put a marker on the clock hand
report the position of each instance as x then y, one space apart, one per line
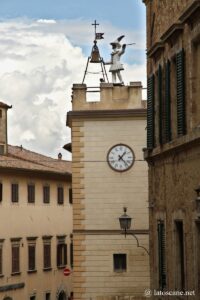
121 156
125 162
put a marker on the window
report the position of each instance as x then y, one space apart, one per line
119 262
150 112
1 260
71 254
167 118
31 254
195 84
14 192
179 256
46 193
31 193
70 196
48 296
61 253
161 255
0 113
180 82
1 149
47 253
1 191
15 248
60 194
32 297
197 247
1 257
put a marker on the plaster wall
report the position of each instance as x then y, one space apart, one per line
22 220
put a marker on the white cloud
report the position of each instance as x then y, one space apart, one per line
45 21
40 60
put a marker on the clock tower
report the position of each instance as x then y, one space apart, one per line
109 173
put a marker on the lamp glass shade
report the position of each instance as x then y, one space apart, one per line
125 222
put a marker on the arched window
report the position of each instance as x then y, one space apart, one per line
62 296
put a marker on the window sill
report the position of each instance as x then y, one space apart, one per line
61 267
47 269
15 273
119 271
32 271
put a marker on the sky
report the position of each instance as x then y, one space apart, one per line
44 47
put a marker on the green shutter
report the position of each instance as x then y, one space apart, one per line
160 101
180 78
167 118
150 112
161 255
71 255
65 254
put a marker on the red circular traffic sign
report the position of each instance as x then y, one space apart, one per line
67 272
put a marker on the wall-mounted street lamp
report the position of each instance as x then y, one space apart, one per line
125 225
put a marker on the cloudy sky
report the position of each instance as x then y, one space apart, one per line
44 47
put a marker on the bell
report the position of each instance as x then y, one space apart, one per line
95 55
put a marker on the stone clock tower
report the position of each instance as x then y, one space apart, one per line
108 173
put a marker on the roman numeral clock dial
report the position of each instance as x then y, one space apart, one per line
120 157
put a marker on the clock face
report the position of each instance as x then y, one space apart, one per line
120 157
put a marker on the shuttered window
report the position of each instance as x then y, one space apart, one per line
1 259
180 259
60 195
160 102
14 192
61 255
31 193
150 112
180 81
47 254
71 254
15 258
46 194
1 149
161 255
1 191
167 118
31 257
70 196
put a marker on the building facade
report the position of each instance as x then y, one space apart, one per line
173 144
36 222
108 173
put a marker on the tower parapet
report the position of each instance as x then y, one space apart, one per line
111 97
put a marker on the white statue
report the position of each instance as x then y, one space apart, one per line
116 66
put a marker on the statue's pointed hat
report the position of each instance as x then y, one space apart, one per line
117 41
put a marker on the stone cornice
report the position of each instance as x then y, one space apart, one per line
38 173
102 114
109 232
172 32
188 13
180 144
